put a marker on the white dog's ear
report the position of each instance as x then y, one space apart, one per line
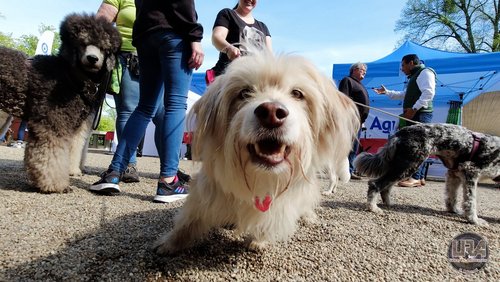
341 122
207 111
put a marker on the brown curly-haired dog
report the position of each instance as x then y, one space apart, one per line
58 95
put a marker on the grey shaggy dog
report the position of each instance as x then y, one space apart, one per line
469 156
58 96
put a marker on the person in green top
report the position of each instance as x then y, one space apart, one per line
122 13
417 101
168 37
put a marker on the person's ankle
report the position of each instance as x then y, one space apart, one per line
168 180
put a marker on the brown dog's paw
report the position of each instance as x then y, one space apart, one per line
76 173
56 190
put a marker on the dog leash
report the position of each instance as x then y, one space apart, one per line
101 92
385 112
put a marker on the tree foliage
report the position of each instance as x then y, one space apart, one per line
470 26
106 123
28 43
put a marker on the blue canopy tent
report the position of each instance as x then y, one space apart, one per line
460 77
198 84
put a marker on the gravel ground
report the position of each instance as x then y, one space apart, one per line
80 236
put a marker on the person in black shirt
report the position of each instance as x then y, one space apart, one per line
235 26
167 36
351 86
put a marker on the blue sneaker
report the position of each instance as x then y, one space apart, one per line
168 193
108 183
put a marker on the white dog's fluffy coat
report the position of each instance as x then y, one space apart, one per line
264 130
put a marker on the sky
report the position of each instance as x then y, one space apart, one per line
326 32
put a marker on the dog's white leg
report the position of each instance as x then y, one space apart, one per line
79 146
188 228
470 206
372 198
46 160
310 217
338 174
255 245
332 187
192 223
453 182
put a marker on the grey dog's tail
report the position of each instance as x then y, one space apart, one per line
374 165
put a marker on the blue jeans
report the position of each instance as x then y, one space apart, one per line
423 118
22 128
127 101
354 152
163 58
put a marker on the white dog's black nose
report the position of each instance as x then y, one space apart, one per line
271 114
92 59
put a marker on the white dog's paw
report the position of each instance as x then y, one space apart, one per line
374 208
310 218
327 193
256 246
163 247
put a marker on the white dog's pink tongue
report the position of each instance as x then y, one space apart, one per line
264 205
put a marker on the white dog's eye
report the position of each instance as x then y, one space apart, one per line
296 93
245 93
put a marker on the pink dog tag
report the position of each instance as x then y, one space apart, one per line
264 206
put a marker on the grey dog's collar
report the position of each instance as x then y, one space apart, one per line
475 144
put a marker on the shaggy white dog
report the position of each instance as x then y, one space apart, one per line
264 130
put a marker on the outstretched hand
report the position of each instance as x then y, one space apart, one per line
381 90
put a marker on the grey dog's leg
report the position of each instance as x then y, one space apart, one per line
371 204
385 194
453 182
384 185
470 198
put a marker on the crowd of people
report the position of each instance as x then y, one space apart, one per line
417 103
161 46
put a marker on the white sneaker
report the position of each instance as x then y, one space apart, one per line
17 144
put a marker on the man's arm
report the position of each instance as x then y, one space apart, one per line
392 94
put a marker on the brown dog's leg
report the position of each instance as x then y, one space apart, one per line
47 162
